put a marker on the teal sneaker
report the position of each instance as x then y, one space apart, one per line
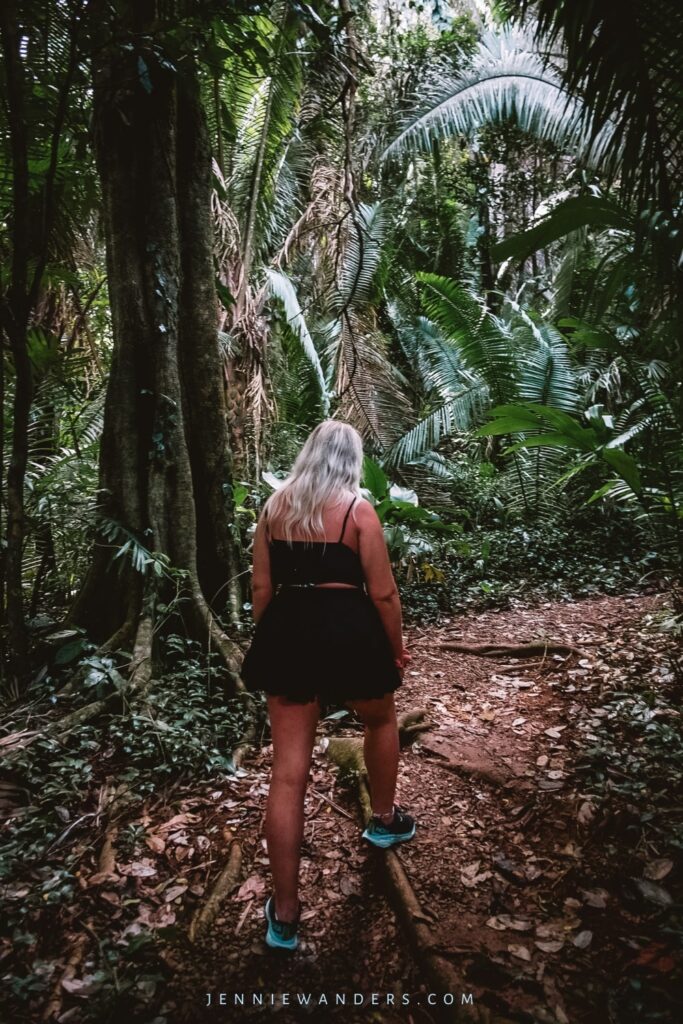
399 830
280 934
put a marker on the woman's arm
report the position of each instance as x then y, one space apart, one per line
261 584
379 578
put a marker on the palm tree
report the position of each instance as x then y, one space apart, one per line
506 79
623 61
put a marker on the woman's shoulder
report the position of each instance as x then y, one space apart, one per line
364 512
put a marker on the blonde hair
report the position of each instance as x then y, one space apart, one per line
327 471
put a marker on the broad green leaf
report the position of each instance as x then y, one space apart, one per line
506 426
567 216
374 479
542 441
625 465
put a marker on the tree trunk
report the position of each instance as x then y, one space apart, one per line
15 316
164 465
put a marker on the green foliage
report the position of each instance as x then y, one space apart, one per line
508 565
597 212
507 79
282 288
623 62
185 726
657 487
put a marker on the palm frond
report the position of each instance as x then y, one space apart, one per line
624 62
481 340
507 79
280 286
361 254
546 373
258 154
458 414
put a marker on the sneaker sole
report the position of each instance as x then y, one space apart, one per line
275 943
386 841
272 938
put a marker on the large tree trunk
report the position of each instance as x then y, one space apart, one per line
164 466
15 312
202 367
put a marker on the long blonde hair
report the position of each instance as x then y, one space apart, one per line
326 472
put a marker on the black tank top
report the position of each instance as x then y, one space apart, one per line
305 563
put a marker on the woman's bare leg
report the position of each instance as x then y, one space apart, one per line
380 750
293 730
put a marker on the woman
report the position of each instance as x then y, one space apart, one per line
321 638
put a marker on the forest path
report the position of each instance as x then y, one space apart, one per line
513 862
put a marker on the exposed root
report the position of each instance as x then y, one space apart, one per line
411 725
119 640
139 681
347 751
512 650
122 638
106 863
244 745
61 727
226 881
476 772
216 639
54 1004
141 663
439 971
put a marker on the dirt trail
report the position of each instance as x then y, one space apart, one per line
512 862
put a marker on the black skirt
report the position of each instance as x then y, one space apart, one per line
321 642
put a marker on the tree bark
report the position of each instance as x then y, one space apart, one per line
201 366
15 314
164 464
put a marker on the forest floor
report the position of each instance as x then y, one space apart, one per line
545 878
546 861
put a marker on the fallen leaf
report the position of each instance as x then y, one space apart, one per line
503 921
179 839
349 885
111 897
469 882
658 869
471 869
508 869
155 843
174 891
652 892
253 886
595 897
85 986
496 924
586 812
583 939
100 877
139 869
521 952
550 945
176 821
555 732
156 917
